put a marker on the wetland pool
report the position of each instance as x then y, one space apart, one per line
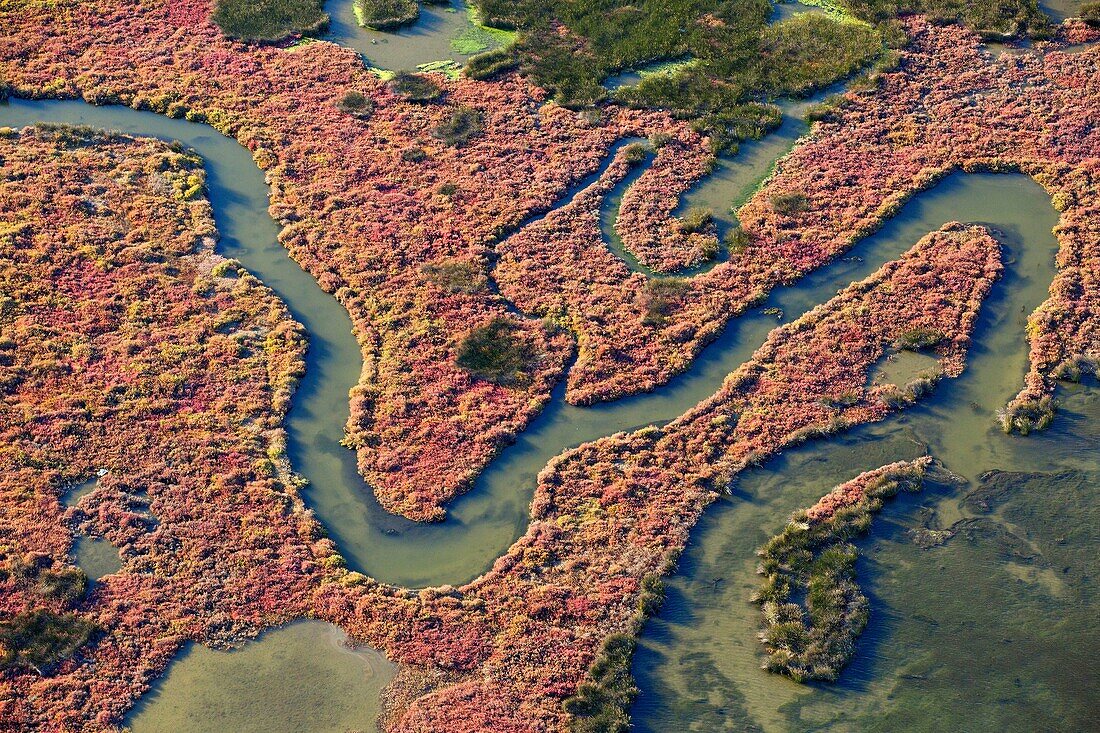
698 664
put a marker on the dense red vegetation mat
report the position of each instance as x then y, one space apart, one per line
373 198
132 354
133 349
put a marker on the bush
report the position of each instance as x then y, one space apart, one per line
916 339
413 155
269 21
485 65
662 296
356 103
634 153
789 204
415 87
1090 13
463 124
495 352
602 704
696 219
457 276
737 240
40 639
386 15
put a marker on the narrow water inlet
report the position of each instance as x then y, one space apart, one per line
484 522
495 512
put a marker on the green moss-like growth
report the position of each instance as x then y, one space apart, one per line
463 124
496 61
268 21
415 87
457 276
726 55
1090 13
356 103
696 219
813 560
662 297
496 352
64 586
386 15
916 339
789 203
40 639
804 49
989 17
602 704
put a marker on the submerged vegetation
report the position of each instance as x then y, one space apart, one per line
812 607
270 20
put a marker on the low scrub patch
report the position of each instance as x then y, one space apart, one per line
40 639
268 21
463 124
385 15
496 352
415 87
812 607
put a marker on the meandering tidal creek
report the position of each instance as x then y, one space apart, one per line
986 628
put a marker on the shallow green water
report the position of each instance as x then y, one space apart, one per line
988 632
482 524
301 677
441 33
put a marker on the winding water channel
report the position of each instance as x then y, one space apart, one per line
706 633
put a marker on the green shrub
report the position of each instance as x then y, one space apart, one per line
808 51
496 352
789 204
602 704
916 339
269 20
415 87
634 153
999 17
696 219
1090 13
662 297
463 124
457 276
737 240
40 639
496 61
736 57
413 155
386 15
356 103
